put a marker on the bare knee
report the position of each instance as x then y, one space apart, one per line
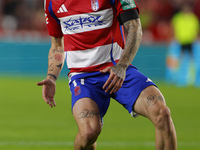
162 119
89 136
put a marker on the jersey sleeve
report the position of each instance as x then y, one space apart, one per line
53 24
126 10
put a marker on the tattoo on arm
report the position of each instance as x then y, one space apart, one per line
55 58
58 57
131 38
132 42
85 113
56 39
56 50
119 71
59 66
50 57
51 68
153 99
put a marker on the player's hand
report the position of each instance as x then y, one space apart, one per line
48 91
116 78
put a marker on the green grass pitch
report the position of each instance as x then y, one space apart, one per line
28 123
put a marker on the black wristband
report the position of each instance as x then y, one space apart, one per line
52 76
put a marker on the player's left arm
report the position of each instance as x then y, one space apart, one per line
133 41
118 72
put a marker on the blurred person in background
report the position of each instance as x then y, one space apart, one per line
184 49
9 21
22 20
155 18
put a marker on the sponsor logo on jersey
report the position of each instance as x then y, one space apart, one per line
81 22
95 5
128 4
86 22
62 9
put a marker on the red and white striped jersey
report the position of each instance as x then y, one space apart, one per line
93 36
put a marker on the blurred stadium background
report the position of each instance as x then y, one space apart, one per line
26 123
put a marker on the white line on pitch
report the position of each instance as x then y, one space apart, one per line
106 143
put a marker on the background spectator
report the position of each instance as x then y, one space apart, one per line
22 19
184 49
22 16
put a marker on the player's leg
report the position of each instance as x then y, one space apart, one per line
87 116
151 104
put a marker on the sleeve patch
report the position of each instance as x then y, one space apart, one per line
128 4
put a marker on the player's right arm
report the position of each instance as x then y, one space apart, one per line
56 58
55 63
56 55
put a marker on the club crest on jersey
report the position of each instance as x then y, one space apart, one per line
95 5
